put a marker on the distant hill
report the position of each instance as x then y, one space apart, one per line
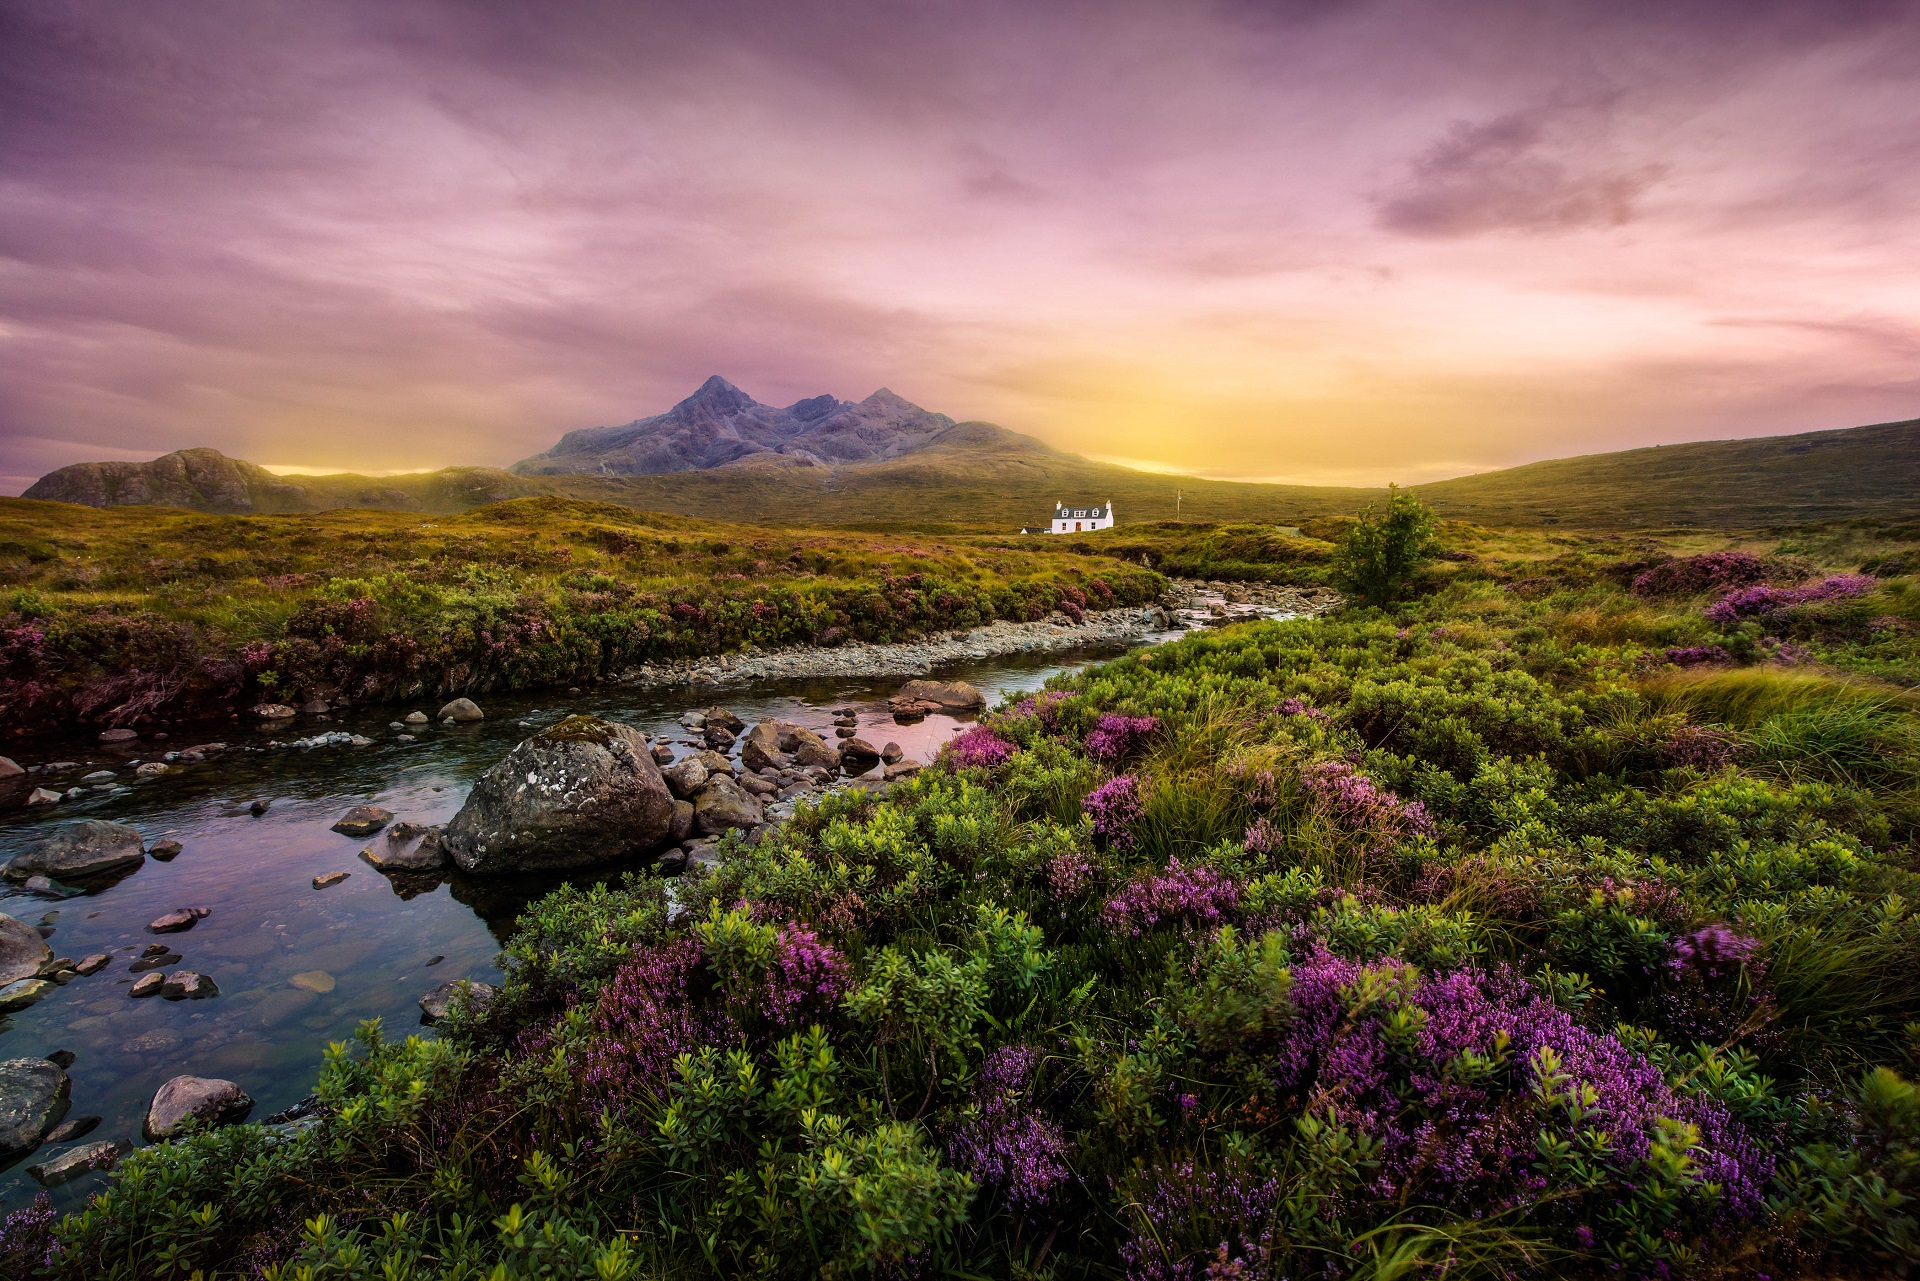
721 425
976 476
206 480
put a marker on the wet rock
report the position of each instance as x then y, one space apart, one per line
33 1099
462 710
408 847
723 718
405 738
662 755
185 985
74 1127
363 820
20 994
165 849
274 712
760 749
93 964
680 827
205 1099
315 707
810 749
902 769
715 762
703 854
857 756
157 949
89 847
118 735
845 731
22 950
314 981
759 786
722 804
694 720
947 696
330 879
414 718
718 737
9 768
74 1162
151 769
581 792
98 776
62 1059
686 778
673 862
148 984
41 796
469 994
259 808
891 753
181 918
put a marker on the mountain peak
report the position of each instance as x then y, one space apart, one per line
718 395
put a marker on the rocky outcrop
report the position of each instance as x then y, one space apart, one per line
581 792
720 425
206 1099
33 1099
75 851
22 950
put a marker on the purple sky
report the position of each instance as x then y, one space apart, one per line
1310 240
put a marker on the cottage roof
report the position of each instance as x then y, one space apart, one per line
1063 512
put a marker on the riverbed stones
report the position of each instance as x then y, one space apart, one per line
414 718
760 749
314 981
662 754
685 778
186 985
407 847
581 792
165 850
74 1127
810 749
148 984
891 753
718 737
724 719
33 1099
329 879
857 756
315 707
150 769
759 786
462 711
42 796
181 918
22 950
119 735
715 762
468 994
206 1099
274 712
946 696
74 1162
363 820
88 847
9 768
724 804
93 963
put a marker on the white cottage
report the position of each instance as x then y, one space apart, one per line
1078 520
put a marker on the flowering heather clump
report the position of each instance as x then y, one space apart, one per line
1300 707
807 981
1263 838
1713 571
978 748
1358 804
1117 736
1190 895
1044 707
646 1016
1069 874
27 1243
1697 655
1760 601
1700 747
1713 951
1114 807
1201 1225
1005 1143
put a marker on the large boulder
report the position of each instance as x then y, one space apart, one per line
75 851
206 1099
33 1099
581 792
22 950
722 804
948 696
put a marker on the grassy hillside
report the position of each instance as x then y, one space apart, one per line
133 613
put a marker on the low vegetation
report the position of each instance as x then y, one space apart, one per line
1553 922
128 615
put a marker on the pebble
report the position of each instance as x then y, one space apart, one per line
41 796
165 850
331 878
181 918
93 964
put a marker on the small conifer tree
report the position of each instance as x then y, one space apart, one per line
1379 557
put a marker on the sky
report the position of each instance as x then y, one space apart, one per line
1316 241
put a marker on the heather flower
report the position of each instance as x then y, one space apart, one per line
807 980
1192 896
1357 804
977 748
1697 655
1300 707
1199 1224
646 1015
1004 1142
1044 707
1116 736
1713 951
1115 806
1761 601
1263 838
1700 747
1069 873
27 1240
1712 571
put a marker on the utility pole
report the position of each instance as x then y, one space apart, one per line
1178 495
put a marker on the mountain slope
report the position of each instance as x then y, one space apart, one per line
720 424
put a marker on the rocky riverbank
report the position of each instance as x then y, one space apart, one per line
1187 604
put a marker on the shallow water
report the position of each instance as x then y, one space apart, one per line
368 943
